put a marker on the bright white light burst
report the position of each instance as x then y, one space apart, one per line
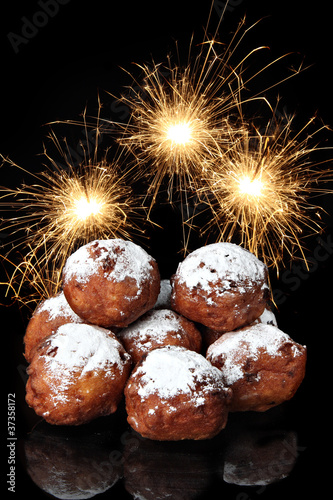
179 133
260 191
250 187
85 208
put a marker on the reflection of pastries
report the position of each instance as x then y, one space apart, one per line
68 467
111 282
221 286
78 373
48 316
260 457
263 366
161 471
158 328
175 394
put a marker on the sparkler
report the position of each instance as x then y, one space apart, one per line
259 193
182 117
65 207
172 131
187 133
29 281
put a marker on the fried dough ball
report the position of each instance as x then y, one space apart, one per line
209 336
262 365
46 319
77 374
157 328
175 394
111 282
221 286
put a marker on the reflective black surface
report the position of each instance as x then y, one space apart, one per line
254 452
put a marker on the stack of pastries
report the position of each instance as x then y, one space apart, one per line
182 352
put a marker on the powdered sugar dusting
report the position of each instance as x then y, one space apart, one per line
225 262
116 257
248 344
170 371
163 299
58 306
80 348
268 317
153 326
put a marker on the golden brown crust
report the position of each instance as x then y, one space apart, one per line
105 297
260 376
188 422
169 412
46 319
76 393
228 312
107 304
158 328
209 335
222 299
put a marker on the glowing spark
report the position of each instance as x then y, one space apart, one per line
259 193
29 281
64 207
179 133
173 129
183 116
85 208
250 187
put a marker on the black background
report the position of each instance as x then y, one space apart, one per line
76 55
